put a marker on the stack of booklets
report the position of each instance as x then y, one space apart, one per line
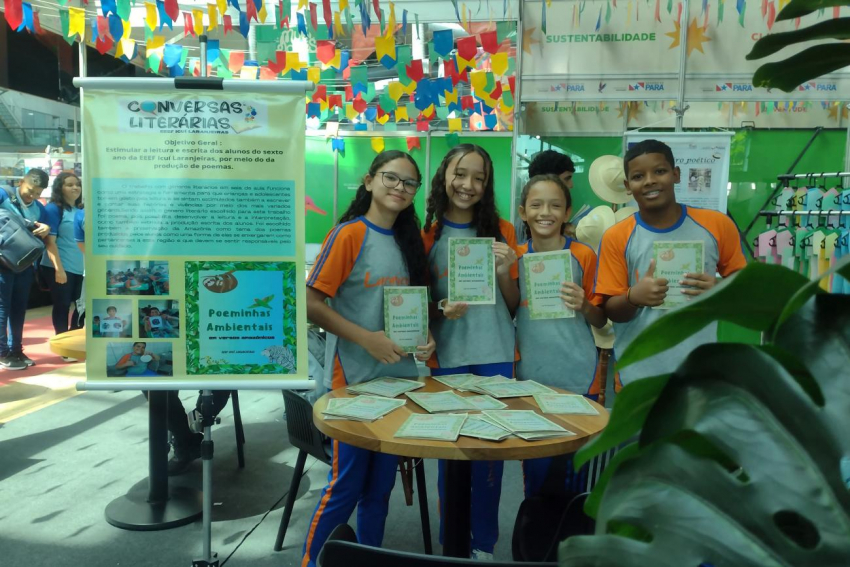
484 402
444 427
477 426
501 387
564 404
441 402
361 408
386 387
525 424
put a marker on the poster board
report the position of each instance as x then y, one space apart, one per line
702 157
195 236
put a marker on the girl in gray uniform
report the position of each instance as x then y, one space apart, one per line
476 339
376 243
556 352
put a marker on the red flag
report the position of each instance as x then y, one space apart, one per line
36 23
414 70
497 91
14 13
251 12
314 18
377 11
188 26
104 43
284 18
359 104
328 13
228 23
349 93
449 70
467 102
321 93
512 83
466 47
413 142
103 28
490 42
421 126
278 63
172 9
334 101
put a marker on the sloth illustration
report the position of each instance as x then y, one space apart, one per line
221 283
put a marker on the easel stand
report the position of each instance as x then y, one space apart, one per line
160 507
209 559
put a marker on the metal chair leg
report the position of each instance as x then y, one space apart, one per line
290 499
423 506
240 432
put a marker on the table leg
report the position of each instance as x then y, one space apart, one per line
456 537
158 507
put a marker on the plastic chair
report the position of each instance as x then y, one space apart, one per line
310 441
342 550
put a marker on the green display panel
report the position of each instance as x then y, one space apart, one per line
583 151
319 189
500 152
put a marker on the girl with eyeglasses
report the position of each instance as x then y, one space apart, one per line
377 243
477 339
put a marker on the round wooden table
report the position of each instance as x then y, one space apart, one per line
378 436
71 344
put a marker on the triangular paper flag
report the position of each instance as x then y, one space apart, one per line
212 12
413 142
378 144
490 42
499 63
150 15
455 124
198 17
77 22
14 12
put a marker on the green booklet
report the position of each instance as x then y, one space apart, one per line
673 260
406 316
564 403
444 427
545 272
472 271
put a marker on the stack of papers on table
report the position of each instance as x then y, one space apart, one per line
504 388
477 426
455 381
485 402
526 424
564 404
439 402
361 408
386 387
436 427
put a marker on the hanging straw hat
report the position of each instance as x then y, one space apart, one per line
624 213
593 225
606 179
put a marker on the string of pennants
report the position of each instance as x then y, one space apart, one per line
481 64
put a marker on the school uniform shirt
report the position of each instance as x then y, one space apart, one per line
32 212
140 367
485 334
559 352
62 227
80 225
626 251
357 260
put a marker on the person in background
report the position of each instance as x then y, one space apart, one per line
62 263
544 163
80 233
15 288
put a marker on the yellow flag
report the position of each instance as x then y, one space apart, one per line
410 88
455 124
323 105
314 74
504 107
336 61
343 4
222 6
198 21
378 144
262 13
390 23
301 4
451 96
150 16
463 64
429 112
249 72
385 46
212 12
383 119
157 42
478 80
338 29
127 28
350 112
401 114
395 90
293 61
499 63
463 21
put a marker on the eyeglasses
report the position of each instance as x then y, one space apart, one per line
392 181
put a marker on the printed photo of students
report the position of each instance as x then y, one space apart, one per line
626 274
376 243
556 352
115 319
62 262
160 320
137 278
477 339
139 359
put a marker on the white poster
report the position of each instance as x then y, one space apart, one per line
703 158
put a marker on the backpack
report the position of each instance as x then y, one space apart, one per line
19 247
548 518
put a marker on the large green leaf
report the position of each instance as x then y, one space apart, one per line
799 8
809 64
591 505
631 406
803 294
732 300
771 43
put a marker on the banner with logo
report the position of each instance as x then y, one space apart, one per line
703 158
194 236
604 50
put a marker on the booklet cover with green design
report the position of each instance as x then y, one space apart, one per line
406 316
544 273
674 259
472 271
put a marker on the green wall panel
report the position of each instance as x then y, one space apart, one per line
319 177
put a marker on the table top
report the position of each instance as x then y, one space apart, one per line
378 435
72 344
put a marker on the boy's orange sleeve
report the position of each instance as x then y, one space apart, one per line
612 272
730 251
124 359
507 230
336 259
587 260
428 238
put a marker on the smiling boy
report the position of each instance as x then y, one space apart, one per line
626 274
